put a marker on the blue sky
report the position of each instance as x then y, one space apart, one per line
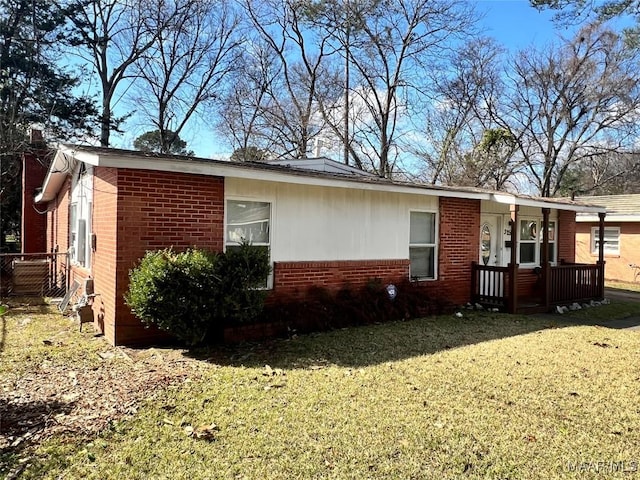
516 24
513 23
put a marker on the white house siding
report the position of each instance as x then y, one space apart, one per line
314 223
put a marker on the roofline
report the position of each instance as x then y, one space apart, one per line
611 217
62 165
67 155
510 199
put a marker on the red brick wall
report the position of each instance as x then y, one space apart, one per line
617 267
459 247
57 231
58 220
529 285
566 236
294 278
155 210
57 235
103 257
135 211
34 224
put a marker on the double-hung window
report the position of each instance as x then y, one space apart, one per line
422 245
611 240
530 241
249 222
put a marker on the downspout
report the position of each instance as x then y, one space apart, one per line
601 216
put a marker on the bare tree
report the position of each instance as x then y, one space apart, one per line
461 143
187 62
289 71
571 103
609 174
589 10
241 116
390 47
112 35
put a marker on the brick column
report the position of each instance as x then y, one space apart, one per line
34 224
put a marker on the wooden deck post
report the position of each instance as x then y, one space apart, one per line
544 260
512 305
601 216
601 237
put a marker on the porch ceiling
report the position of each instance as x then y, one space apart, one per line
557 203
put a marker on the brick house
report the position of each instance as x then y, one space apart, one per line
621 236
324 224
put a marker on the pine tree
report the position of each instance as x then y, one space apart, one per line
33 90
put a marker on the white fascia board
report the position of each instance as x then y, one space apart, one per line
86 157
540 203
60 167
218 168
610 218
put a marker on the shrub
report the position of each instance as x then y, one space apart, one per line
323 309
194 294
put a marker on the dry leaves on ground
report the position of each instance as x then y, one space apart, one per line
58 398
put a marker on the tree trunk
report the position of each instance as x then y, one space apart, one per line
105 123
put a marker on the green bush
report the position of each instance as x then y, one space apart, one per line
194 294
324 309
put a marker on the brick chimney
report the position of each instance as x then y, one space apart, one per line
34 169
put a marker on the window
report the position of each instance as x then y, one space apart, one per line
422 245
530 241
528 236
80 214
611 240
250 222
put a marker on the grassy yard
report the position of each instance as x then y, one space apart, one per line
483 396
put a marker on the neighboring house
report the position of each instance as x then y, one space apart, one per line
621 236
324 226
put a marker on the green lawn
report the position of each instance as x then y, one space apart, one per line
483 396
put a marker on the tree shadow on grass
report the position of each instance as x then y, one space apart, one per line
22 425
375 344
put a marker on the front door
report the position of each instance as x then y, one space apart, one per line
491 282
490 238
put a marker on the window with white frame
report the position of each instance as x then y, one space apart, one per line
611 240
250 222
80 216
422 245
530 241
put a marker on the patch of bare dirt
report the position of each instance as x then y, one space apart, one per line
55 399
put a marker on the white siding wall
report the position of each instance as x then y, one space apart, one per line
322 223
